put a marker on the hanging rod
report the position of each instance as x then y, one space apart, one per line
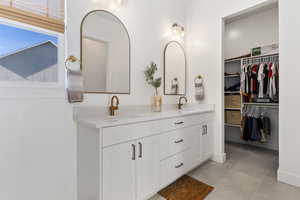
261 59
269 105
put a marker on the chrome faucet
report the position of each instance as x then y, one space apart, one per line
181 104
113 107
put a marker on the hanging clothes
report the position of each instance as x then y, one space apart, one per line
266 80
259 81
243 79
255 128
254 83
272 81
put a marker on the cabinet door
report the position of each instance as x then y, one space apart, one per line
147 167
207 140
119 166
196 145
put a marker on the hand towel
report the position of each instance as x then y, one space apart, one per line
74 86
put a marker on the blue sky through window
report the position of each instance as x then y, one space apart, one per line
13 39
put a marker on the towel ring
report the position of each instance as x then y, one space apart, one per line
71 59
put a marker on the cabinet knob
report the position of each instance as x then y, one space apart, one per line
178 123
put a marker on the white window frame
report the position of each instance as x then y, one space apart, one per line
60 84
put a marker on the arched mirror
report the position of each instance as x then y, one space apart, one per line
105 54
174 69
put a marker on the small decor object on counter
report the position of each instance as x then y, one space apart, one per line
74 81
156 100
199 88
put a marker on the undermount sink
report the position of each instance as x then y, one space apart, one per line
146 114
186 110
150 114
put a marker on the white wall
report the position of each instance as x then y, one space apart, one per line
204 48
37 149
259 29
289 138
148 24
37 133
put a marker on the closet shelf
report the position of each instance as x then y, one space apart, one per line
231 76
232 92
261 59
233 60
263 104
233 109
260 56
233 125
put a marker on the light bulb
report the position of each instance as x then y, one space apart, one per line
115 5
178 30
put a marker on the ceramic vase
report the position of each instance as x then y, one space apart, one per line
156 103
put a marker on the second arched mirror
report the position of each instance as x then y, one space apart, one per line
174 69
105 54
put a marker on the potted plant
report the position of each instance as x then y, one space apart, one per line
156 100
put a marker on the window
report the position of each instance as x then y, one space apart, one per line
28 55
48 14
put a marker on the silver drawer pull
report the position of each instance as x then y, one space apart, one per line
179 141
141 150
178 123
178 166
204 130
133 151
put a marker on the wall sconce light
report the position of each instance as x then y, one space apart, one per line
178 30
115 5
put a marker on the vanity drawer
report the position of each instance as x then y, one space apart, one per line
178 140
124 133
190 120
174 167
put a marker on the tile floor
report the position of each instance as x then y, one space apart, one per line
248 174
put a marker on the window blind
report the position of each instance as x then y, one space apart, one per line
48 14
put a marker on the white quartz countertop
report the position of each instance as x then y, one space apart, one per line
103 121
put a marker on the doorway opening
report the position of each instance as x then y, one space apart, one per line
251 89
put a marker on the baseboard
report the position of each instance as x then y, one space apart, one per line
289 178
220 158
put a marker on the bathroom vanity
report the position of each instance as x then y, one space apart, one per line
132 157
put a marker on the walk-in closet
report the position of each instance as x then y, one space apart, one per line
251 79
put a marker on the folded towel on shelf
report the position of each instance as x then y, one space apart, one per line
234 87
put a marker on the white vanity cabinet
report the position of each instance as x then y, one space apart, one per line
119 169
131 170
147 171
133 161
